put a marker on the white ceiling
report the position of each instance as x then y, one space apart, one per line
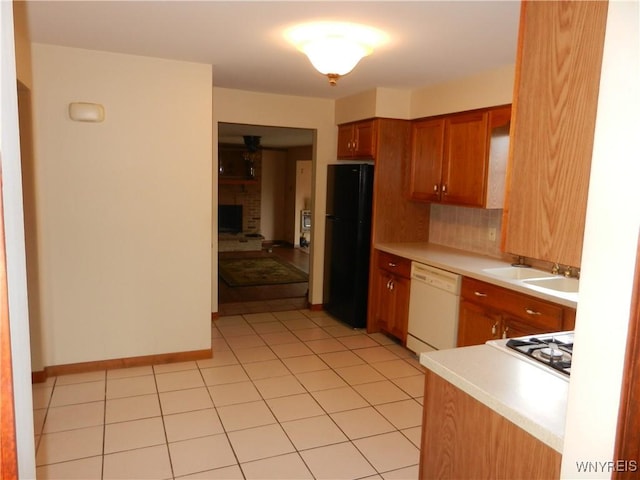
431 41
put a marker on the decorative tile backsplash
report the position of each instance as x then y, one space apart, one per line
466 228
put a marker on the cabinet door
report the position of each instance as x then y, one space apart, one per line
391 304
556 94
382 301
345 140
476 325
464 439
364 139
464 176
514 327
427 143
398 322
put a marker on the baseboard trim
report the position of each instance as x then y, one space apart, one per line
315 307
215 316
142 361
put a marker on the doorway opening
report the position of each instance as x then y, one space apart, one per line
264 222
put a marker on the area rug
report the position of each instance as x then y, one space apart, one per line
246 272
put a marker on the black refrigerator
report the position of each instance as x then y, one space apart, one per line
348 242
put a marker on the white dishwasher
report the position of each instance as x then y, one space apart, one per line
433 309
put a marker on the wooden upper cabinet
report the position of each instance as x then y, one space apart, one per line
357 140
465 159
460 159
556 94
427 153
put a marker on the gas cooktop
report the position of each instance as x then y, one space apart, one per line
551 350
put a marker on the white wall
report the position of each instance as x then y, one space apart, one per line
610 242
14 246
237 106
124 209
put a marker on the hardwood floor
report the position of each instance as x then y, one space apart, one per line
265 298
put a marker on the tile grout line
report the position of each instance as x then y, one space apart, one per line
104 426
164 426
308 392
280 359
224 430
328 414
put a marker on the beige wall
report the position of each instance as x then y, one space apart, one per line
124 211
379 102
485 89
237 106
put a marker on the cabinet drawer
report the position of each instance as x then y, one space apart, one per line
536 312
481 293
394 264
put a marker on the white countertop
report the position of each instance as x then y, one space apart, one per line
525 394
472 265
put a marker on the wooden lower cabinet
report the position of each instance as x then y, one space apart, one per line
464 439
476 324
389 295
489 312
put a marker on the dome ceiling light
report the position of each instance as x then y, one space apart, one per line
335 48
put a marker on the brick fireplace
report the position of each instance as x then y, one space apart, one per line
235 187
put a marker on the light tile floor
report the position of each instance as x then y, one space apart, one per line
287 395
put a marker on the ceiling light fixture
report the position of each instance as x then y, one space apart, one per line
334 49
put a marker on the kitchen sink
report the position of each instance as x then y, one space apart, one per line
517 273
560 284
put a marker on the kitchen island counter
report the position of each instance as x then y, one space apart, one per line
527 395
472 265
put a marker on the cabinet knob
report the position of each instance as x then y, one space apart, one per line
391 285
391 264
504 332
531 312
435 188
444 189
388 284
480 294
